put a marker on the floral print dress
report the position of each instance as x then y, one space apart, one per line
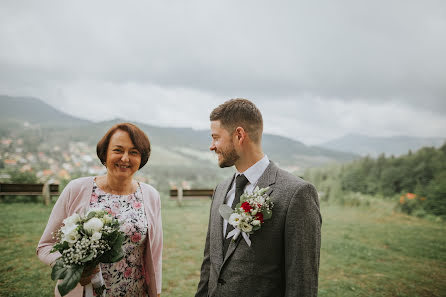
126 277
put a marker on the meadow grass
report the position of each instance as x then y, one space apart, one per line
365 251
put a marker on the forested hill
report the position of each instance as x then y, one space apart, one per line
413 172
422 173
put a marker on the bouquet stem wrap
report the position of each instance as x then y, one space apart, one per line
97 282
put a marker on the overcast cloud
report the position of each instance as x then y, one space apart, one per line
316 69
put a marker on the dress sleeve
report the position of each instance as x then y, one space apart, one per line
58 214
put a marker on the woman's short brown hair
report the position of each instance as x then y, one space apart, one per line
138 137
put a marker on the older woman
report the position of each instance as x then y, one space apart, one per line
124 149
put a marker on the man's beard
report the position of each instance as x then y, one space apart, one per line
228 158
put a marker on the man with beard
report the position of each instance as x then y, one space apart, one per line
282 257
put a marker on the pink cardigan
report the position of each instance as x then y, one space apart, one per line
75 198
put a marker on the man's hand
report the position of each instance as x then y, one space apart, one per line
87 275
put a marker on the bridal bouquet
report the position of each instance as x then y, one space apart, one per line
248 216
85 241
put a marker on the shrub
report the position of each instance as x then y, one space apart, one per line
410 203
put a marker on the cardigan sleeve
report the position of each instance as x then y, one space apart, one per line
58 214
156 243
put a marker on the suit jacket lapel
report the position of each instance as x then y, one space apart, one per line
267 179
217 235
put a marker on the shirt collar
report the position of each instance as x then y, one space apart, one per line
254 172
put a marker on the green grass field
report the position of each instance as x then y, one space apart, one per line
365 251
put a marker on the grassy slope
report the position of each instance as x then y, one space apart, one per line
365 252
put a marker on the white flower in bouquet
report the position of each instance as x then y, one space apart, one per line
256 222
107 219
246 227
72 220
94 209
96 236
93 225
234 219
68 228
70 233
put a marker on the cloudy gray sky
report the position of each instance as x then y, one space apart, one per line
316 69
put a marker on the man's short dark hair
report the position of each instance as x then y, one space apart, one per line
138 137
240 113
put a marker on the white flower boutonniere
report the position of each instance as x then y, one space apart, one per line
248 216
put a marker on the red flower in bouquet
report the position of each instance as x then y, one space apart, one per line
259 217
246 206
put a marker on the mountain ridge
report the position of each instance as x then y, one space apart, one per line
35 111
62 128
373 146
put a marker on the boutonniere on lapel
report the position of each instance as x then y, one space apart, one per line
248 216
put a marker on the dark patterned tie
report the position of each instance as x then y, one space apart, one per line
240 183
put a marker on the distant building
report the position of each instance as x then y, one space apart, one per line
10 162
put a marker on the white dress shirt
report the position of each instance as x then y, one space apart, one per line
253 174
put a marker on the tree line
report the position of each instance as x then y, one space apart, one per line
422 173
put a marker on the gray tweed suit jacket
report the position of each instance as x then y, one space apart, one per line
283 259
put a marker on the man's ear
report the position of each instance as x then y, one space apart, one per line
240 133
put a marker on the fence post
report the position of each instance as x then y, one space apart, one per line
46 193
180 196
